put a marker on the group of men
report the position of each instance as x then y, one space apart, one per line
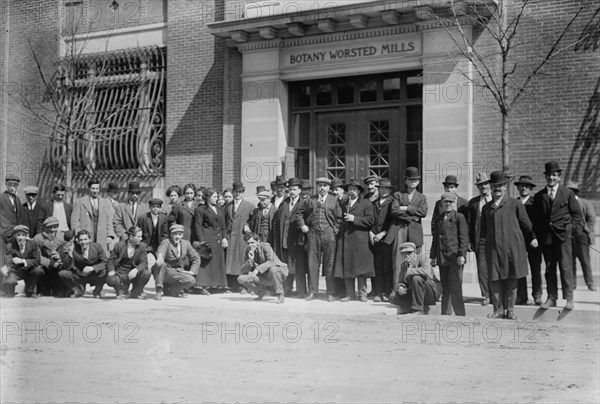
348 232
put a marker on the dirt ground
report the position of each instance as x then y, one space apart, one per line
228 348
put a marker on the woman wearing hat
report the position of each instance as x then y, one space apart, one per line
353 259
183 212
210 230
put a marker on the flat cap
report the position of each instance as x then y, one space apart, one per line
264 194
19 228
448 196
31 189
12 177
155 201
323 180
176 228
51 221
371 178
408 247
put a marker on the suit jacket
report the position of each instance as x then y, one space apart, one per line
383 221
254 223
182 214
48 210
589 221
119 254
47 247
189 257
82 218
333 212
462 206
124 218
417 210
235 223
287 232
404 273
450 238
31 254
30 218
556 218
474 219
9 218
96 258
145 223
264 259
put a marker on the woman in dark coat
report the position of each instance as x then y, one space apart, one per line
353 259
209 228
183 212
505 228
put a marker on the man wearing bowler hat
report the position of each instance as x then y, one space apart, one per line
473 217
127 214
10 205
112 191
23 257
583 238
319 217
557 214
237 215
280 188
534 255
337 188
32 211
49 244
505 230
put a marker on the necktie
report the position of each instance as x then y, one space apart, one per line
133 208
551 193
95 203
22 247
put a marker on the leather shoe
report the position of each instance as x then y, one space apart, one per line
377 299
485 301
311 296
538 301
330 299
158 295
243 291
592 287
280 299
510 315
99 295
364 299
496 315
569 305
346 299
548 303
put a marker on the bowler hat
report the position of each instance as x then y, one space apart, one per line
481 178
412 173
20 227
448 196
336 182
551 167
238 186
498 178
355 183
385 182
51 221
264 194
176 228
371 178
155 201
260 189
134 187
323 180
12 177
31 189
294 182
525 180
305 184
450 180
573 185
112 187
280 180
407 247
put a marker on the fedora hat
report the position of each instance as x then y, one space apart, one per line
112 187
385 182
238 186
481 178
525 180
572 185
280 180
355 183
336 182
260 189
294 182
412 173
498 178
551 167
450 180
134 187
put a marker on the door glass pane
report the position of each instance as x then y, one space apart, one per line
391 89
302 96
345 92
379 148
302 164
324 94
414 123
414 87
336 150
368 91
301 131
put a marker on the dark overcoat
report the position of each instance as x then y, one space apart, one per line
235 222
210 228
182 214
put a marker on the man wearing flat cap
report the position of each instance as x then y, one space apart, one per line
583 238
473 217
262 217
155 228
128 265
372 184
461 205
10 205
557 214
31 211
23 263
128 213
534 255
49 244
177 265
414 288
94 214
319 217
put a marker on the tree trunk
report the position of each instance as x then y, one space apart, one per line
69 169
505 143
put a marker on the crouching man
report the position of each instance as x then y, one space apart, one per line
128 264
83 262
177 265
414 288
262 269
49 244
22 263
